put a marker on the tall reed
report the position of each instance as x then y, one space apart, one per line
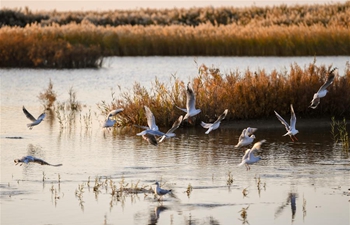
326 14
48 97
340 134
247 95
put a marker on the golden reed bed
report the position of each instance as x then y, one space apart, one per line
247 95
77 39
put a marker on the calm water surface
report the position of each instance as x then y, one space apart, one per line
300 183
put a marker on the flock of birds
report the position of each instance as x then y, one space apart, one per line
153 135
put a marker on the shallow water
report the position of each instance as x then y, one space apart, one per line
301 183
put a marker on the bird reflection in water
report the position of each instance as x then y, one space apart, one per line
291 199
155 213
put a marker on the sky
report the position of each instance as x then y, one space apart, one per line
103 5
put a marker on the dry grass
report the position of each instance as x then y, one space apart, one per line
277 31
248 95
48 97
326 14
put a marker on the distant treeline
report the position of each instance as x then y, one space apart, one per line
282 15
246 94
82 39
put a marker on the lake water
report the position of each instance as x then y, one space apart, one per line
305 182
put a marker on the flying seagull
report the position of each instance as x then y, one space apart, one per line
249 157
246 138
190 104
170 132
28 159
110 122
216 124
323 90
34 121
152 129
291 131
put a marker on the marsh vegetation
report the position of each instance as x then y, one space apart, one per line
77 39
237 91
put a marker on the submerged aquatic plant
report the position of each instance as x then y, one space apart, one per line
44 177
304 207
189 190
66 111
48 97
79 194
340 134
229 179
245 192
244 215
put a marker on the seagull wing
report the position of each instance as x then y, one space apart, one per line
185 110
142 127
151 132
191 99
293 118
282 121
244 158
151 120
42 116
206 125
222 116
163 191
257 145
242 136
170 133
28 115
329 80
114 112
250 131
40 161
176 125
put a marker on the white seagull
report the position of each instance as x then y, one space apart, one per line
170 132
247 137
159 191
190 104
152 130
28 159
249 157
323 90
291 131
34 121
216 124
110 122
